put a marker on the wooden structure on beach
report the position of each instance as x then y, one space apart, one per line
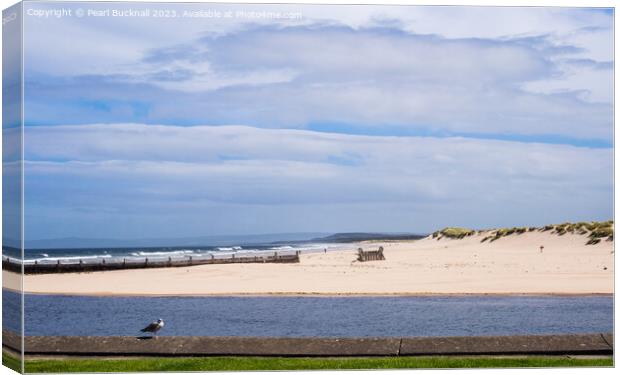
132 263
364 256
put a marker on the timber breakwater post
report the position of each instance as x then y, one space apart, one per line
111 264
365 256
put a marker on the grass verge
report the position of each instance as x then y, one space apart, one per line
11 362
282 363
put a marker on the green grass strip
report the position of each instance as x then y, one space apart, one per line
11 362
284 363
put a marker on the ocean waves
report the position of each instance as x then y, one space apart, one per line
156 253
161 253
230 248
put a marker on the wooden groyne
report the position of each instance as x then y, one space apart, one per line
111 264
364 256
568 344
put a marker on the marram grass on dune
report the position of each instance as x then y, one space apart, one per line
596 231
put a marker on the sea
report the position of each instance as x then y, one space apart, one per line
428 316
95 255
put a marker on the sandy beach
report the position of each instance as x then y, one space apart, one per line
510 265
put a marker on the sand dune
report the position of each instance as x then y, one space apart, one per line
510 265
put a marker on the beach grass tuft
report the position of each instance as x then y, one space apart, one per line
453 233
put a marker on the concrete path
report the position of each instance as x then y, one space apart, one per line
590 344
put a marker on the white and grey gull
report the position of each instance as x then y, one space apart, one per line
154 327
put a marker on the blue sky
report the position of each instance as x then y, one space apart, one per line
347 118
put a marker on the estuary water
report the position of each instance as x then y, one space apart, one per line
310 316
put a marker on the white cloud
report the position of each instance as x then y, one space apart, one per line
459 69
132 180
511 72
591 79
237 164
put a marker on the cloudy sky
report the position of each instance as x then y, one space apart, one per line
321 118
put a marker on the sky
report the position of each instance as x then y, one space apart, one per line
314 118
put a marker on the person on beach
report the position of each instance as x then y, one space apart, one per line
541 248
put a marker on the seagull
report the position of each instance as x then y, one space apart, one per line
154 327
